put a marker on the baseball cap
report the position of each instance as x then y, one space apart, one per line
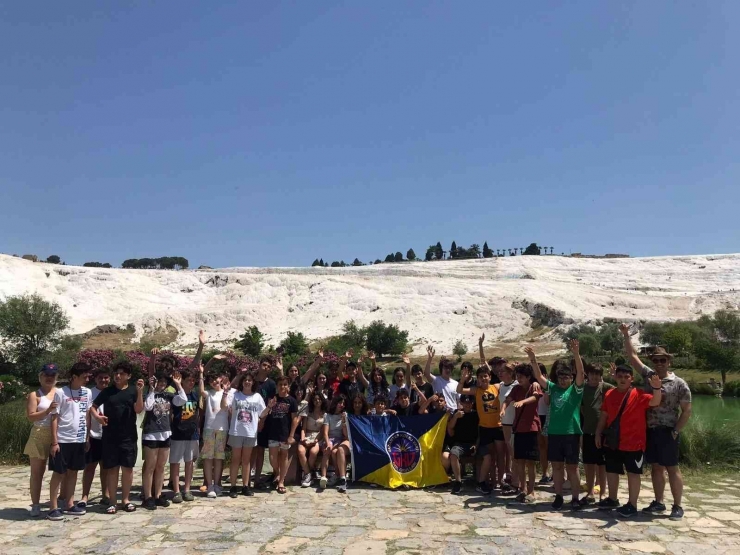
50 369
467 398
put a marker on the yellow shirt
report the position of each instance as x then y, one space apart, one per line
488 406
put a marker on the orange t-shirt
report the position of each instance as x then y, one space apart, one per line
488 406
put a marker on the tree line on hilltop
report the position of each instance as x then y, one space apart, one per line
436 252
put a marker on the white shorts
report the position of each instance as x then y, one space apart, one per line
183 451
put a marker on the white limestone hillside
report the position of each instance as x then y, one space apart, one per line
435 301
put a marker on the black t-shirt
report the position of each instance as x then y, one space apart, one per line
426 389
185 419
268 389
411 410
350 389
280 418
466 429
119 408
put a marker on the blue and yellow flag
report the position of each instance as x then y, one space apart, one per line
395 450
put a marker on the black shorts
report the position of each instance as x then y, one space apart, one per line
661 448
96 451
486 436
563 448
461 450
591 453
119 454
71 456
156 444
526 446
619 461
263 438
543 421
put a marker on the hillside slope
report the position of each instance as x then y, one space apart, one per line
435 301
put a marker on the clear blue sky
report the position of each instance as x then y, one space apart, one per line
273 133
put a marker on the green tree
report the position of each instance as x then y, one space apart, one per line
335 264
316 263
378 261
398 257
410 255
677 339
390 258
294 345
438 251
30 326
385 339
532 249
589 344
652 333
460 350
610 338
717 356
357 262
473 251
251 342
53 259
453 250
487 253
430 253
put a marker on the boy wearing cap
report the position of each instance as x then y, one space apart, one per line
69 440
462 428
664 425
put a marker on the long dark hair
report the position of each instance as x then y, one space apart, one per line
335 401
375 386
365 408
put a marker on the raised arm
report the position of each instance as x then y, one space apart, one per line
152 361
181 398
371 356
407 362
315 365
149 401
428 366
464 377
361 373
199 352
225 398
576 350
483 361
201 385
279 365
139 405
629 350
536 368
343 362
657 385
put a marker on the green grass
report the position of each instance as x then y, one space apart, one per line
14 431
706 444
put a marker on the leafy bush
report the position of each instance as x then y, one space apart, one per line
11 388
460 350
385 339
251 342
162 263
704 443
294 345
14 431
701 388
731 389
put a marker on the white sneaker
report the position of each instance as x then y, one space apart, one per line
322 482
342 486
211 493
306 482
35 510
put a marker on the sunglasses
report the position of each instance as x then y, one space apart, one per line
660 360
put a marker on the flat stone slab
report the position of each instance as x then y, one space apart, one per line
368 521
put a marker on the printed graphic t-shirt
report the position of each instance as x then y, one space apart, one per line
72 405
565 409
185 419
488 406
280 418
245 414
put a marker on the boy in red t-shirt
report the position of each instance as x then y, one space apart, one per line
526 427
630 453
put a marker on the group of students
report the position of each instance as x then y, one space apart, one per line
503 421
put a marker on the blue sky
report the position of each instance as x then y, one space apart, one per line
273 133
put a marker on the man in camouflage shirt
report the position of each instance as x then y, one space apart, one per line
665 423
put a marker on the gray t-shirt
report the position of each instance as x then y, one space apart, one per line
335 422
675 392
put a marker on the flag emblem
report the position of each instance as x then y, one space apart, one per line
404 451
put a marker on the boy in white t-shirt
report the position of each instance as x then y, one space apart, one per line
215 433
69 440
507 384
443 384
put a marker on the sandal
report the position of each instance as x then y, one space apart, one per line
281 489
111 510
129 507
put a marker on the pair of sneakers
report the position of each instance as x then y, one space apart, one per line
306 481
59 514
213 491
656 507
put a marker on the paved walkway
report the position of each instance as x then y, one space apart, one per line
369 521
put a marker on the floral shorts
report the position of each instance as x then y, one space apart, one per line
214 444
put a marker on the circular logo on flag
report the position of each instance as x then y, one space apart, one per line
404 451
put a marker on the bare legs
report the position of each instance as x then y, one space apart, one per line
674 478
38 469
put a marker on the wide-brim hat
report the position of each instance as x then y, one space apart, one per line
660 352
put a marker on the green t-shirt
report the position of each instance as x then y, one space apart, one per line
565 409
591 407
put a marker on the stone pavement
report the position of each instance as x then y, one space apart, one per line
369 521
